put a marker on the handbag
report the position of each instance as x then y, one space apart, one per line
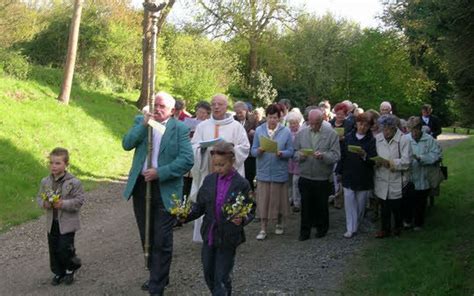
435 176
444 171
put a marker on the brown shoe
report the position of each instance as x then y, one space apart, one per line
382 234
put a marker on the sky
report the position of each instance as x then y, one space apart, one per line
363 12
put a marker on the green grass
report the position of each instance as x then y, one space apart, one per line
458 130
33 123
435 261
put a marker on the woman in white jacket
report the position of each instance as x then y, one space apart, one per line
391 172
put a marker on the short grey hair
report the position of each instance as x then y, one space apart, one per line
296 116
388 120
386 104
241 105
167 99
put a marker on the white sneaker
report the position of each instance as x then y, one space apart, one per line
279 229
348 234
261 235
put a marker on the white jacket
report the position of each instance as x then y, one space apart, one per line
388 182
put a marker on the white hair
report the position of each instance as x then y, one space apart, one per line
385 104
293 115
167 99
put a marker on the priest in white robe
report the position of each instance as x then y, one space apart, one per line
220 125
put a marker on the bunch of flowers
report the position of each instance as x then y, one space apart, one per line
50 196
238 209
180 208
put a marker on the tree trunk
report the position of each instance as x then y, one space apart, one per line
71 53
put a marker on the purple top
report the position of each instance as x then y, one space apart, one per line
223 184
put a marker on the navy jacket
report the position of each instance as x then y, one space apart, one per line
357 173
228 234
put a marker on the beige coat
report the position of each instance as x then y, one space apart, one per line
388 182
72 196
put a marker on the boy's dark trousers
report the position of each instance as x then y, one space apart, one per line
61 250
217 264
161 234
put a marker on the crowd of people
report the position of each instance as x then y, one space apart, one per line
276 158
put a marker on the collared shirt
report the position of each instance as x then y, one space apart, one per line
156 149
223 184
426 119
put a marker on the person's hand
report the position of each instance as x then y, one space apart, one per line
58 204
416 157
318 155
260 150
150 174
147 117
386 163
301 155
46 204
362 154
279 154
237 221
251 132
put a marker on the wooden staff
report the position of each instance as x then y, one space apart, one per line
154 9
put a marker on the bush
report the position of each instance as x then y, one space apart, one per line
14 64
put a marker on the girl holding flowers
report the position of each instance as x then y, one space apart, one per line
223 200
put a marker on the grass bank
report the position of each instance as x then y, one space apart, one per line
435 261
33 122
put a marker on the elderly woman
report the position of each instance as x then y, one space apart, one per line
272 171
426 155
357 171
294 121
391 172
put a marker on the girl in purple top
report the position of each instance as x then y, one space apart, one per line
221 234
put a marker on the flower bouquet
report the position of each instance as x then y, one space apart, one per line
238 209
180 208
50 196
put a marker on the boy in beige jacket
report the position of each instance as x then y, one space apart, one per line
61 195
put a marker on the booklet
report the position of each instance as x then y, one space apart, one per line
377 158
209 143
354 149
307 151
268 145
157 126
339 131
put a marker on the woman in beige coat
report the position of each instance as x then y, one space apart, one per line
391 172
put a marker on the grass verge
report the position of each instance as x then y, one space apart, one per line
33 122
435 261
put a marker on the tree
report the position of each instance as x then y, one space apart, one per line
248 19
71 53
441 36
146 48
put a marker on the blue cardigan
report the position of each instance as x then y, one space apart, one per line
271 168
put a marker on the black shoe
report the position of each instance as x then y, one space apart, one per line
56 280
303 237
76 263
68 278
145 286
320 234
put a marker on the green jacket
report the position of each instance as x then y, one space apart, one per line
175 158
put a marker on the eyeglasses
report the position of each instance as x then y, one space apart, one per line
214 152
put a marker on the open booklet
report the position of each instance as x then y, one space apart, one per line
157 126
378 158
268 145
191 123
339 131
307 151
354 149
209 143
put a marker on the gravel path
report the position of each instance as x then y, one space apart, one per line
109 247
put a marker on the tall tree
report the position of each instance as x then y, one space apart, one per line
146 47
248 19
71 53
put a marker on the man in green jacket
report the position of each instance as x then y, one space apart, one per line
171 157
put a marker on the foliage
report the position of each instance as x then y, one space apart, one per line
444 29
18 22
14 64
200 68
435 261
261 91
36 123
